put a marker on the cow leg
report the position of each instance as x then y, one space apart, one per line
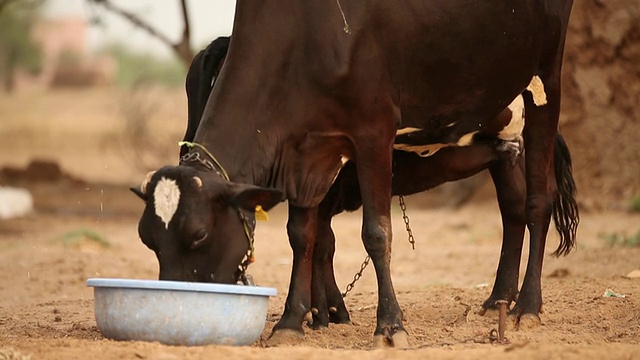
327 304
540 133
510 187
338 313
374 176
301 228
319 304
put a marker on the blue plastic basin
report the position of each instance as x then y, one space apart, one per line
180 313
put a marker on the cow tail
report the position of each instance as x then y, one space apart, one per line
565 207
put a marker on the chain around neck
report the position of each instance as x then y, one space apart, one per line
220 170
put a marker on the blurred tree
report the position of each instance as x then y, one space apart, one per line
17 49
134 67
182 48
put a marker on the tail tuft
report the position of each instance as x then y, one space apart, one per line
565 208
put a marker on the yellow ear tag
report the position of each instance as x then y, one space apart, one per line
261 215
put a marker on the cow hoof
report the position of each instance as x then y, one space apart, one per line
488 312
339 317
341 322
529 321
399 340
309 316
316 325
285 337
512 323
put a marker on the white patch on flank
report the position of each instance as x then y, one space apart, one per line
407 130
166 198
536 87
422 150
466 139
430 149
514 128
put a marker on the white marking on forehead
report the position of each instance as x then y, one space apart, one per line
407 130
343 159
166 198
536 87
514 128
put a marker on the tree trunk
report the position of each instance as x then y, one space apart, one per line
182 48
9 70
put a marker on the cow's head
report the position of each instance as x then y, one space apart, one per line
192 222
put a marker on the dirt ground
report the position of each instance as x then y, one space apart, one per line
85 223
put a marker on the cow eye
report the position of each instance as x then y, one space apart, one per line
200 238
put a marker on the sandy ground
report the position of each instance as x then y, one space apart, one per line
46 310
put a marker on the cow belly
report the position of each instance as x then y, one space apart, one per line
409 138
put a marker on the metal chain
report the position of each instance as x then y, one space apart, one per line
195 157
357 276
403 207
364 264
249 256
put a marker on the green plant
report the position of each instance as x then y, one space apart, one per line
634 206
76 236
616 239
18 50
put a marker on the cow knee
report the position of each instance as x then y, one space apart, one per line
539 207
324 249
377 239
299 239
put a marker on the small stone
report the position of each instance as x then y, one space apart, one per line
559 273
635 274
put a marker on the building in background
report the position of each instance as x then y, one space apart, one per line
65 58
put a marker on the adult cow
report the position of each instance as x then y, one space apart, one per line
307 85
413 173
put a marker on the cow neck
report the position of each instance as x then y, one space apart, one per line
209 161
235 135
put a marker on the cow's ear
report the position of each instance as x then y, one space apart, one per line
137 191
249 196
